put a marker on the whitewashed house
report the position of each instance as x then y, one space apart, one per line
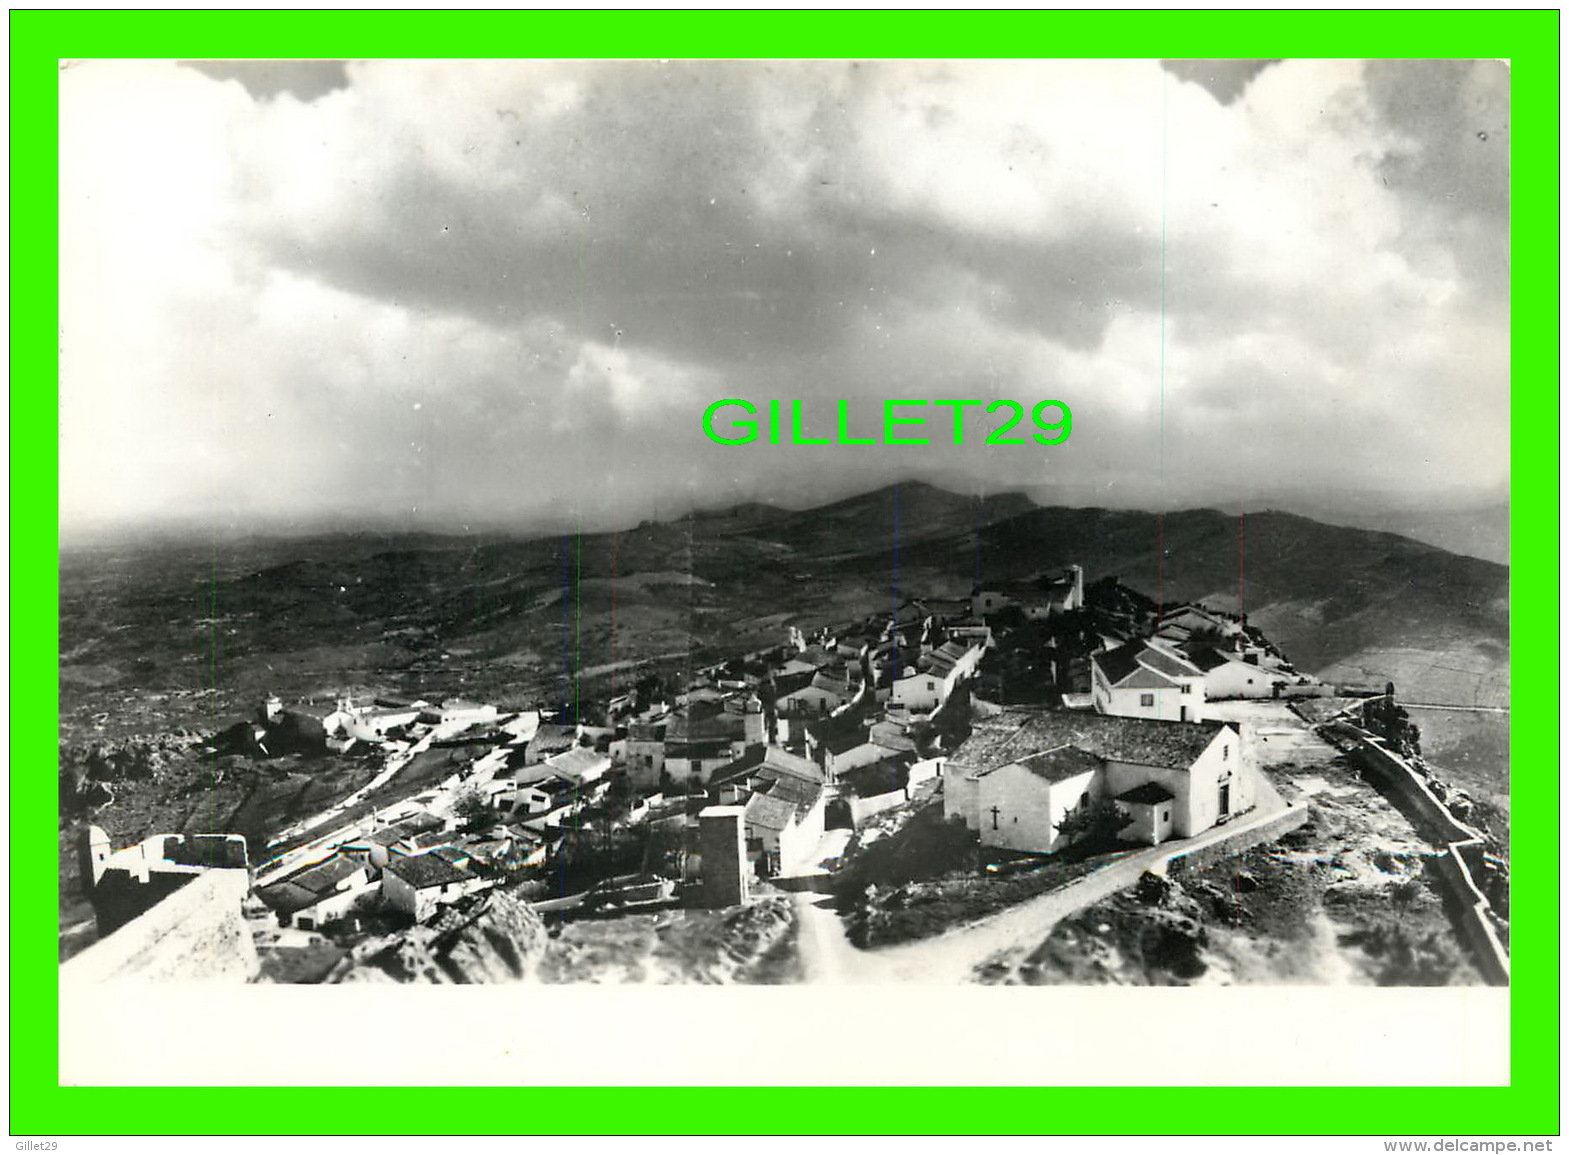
1233 676
645 753
313 724
533 799
1147 680
374 723
1036 599
1184 621
582 765
696 744
919 691
820 697
784 824
420 883
318 893
1018 775
949 663
456 714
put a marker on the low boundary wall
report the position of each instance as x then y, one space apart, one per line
1125 874
1471 915
1184 861
1408 788
863 808
1462 855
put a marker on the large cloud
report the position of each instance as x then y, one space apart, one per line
496 291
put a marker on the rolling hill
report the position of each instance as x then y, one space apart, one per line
520 619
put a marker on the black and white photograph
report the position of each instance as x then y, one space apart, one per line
946 523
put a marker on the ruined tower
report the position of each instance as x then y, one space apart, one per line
722 830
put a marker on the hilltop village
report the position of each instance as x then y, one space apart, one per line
1037 723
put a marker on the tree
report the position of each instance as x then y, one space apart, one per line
1094 822
1007 619
951 720
1208 638
470 808
650 688
619 796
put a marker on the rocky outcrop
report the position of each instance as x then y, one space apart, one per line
500 939
114 760
79 793
1173 935
496 939
748 935
740 944
501 945
87 769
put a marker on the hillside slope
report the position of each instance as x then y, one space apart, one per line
523 619
1354 604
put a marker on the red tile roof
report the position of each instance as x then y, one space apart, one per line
1149 794
1123 662
719 727
766 761
428 869
1167 663
1207 660
309 886
1016 734
769 812
1059 764
796 791
575 764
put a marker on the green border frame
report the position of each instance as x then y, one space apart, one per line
1529 1105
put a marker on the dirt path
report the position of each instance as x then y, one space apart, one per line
954 956
826 954
395 763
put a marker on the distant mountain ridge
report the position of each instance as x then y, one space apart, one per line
477 612
895 515
1327 593
1481 531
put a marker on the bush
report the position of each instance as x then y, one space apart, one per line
1094 822
926 847
471 810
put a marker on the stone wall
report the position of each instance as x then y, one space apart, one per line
1463 848
198 933
1470 911
863 808
1308 690
1185 861
1408 789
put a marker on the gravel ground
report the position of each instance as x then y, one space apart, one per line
1347 899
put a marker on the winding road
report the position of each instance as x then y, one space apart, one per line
954 956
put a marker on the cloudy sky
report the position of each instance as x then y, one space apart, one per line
407 294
